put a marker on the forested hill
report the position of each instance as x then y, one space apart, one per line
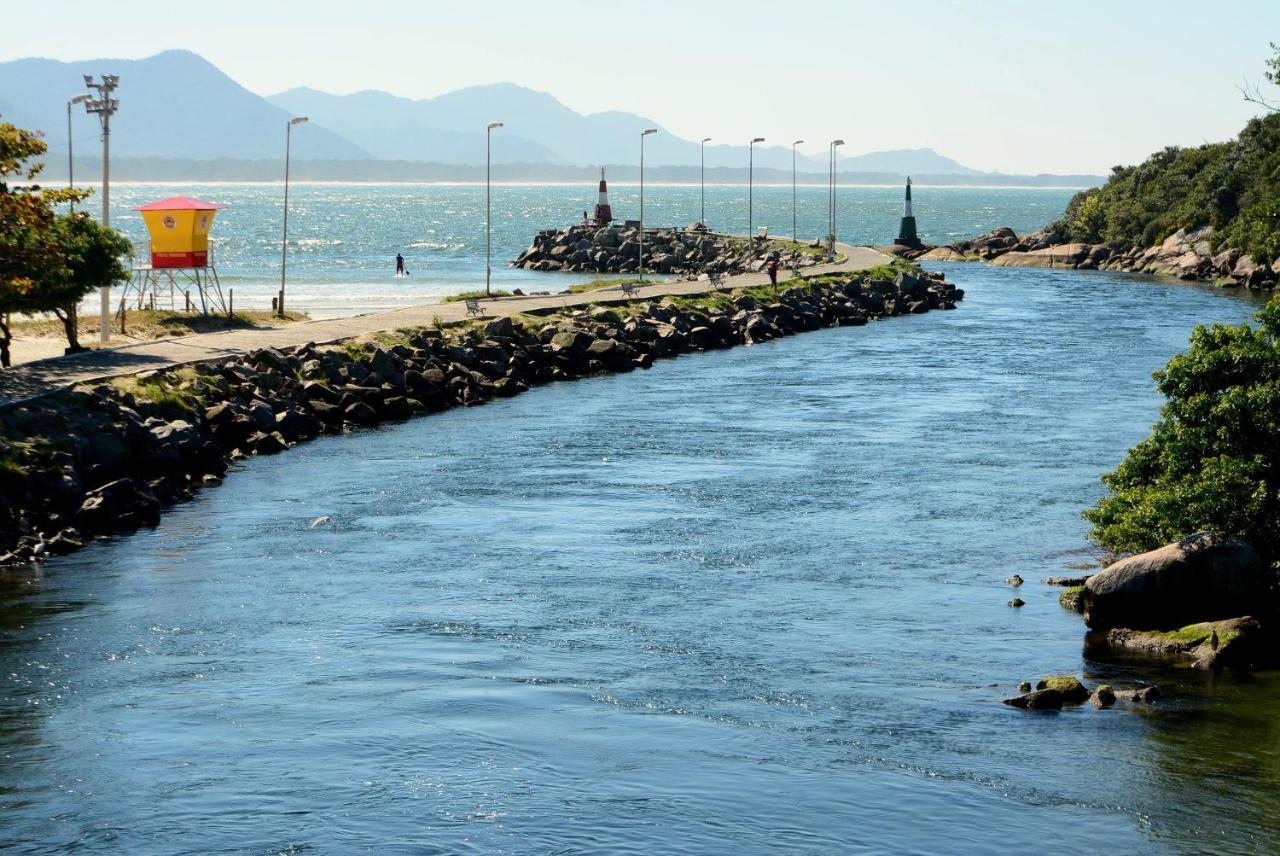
1233 187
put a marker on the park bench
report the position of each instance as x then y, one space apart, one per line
473 307
717 279
629 290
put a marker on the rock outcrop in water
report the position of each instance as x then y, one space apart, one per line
108 458
1184 255
690 251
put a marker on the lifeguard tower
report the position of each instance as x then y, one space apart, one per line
180 256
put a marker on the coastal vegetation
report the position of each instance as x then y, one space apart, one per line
1232 187
1212 461
48 261
162 323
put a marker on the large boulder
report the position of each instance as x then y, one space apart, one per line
1238 642
1203 577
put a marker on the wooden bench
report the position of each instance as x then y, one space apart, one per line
473 307
629 290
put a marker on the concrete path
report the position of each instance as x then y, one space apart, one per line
31 380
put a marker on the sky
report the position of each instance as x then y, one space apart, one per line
1019 87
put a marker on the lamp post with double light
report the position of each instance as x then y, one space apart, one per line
831 203
703 145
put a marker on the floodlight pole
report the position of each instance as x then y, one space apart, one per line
284 238
104 105
643 134
488 137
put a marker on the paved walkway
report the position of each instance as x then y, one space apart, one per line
34 379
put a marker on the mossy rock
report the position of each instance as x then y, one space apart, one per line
1072 599
1068 685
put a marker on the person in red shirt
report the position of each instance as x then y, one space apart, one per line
773 270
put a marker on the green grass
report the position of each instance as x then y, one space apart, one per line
606 282
475 295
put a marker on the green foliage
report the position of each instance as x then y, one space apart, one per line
47 262
475 295
1212 460
1233 187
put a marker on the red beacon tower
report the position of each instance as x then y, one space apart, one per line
604 214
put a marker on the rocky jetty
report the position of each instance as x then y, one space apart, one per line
108 458
686 252
1184 254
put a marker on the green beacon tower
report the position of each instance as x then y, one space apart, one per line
907 229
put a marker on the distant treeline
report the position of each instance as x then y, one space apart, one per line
1233 187
178 169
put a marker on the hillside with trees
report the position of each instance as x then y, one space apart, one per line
1233 187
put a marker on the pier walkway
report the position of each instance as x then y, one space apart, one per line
34 379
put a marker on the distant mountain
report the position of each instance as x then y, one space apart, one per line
179 112
540 129
173 104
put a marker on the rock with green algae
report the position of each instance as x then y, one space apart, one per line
1103 696
1236 642
1069 685
1072 598
1050 693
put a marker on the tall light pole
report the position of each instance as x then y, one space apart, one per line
831 202
488 242
643 134
104 105
703 144
71 162
751 177
284 238
794 240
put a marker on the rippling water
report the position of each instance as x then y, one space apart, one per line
748 600
344 237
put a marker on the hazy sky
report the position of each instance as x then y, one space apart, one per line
1018 87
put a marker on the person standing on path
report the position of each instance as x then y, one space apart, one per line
773 270
399 265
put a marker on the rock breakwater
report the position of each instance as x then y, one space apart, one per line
109 458
689 251
1185 254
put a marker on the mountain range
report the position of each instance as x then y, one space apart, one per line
180 111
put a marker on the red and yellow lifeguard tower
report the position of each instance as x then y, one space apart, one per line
180 246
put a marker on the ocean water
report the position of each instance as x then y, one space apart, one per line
747 601
343 238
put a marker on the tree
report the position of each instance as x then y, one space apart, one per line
92 254
1213 459
1253 92
47 262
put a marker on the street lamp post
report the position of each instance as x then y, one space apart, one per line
71 163
284 238
488 242
794 250
703 144
831 202
643 134
751 174
104 105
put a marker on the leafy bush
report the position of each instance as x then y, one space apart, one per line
1212 460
